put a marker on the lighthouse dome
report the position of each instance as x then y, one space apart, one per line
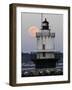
45 25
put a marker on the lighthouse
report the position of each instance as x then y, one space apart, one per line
45 41
46 56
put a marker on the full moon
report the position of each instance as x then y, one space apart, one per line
32 30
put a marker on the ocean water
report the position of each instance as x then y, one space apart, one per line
28 67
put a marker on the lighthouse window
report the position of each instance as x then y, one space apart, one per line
44 24
43 54
43 47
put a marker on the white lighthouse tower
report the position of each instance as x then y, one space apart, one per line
45 42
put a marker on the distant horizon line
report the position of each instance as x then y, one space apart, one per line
46 52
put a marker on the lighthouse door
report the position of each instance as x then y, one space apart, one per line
43 47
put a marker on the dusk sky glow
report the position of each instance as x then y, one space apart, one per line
32 31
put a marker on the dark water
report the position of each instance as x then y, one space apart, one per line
28 67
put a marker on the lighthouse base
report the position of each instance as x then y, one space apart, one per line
45 63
